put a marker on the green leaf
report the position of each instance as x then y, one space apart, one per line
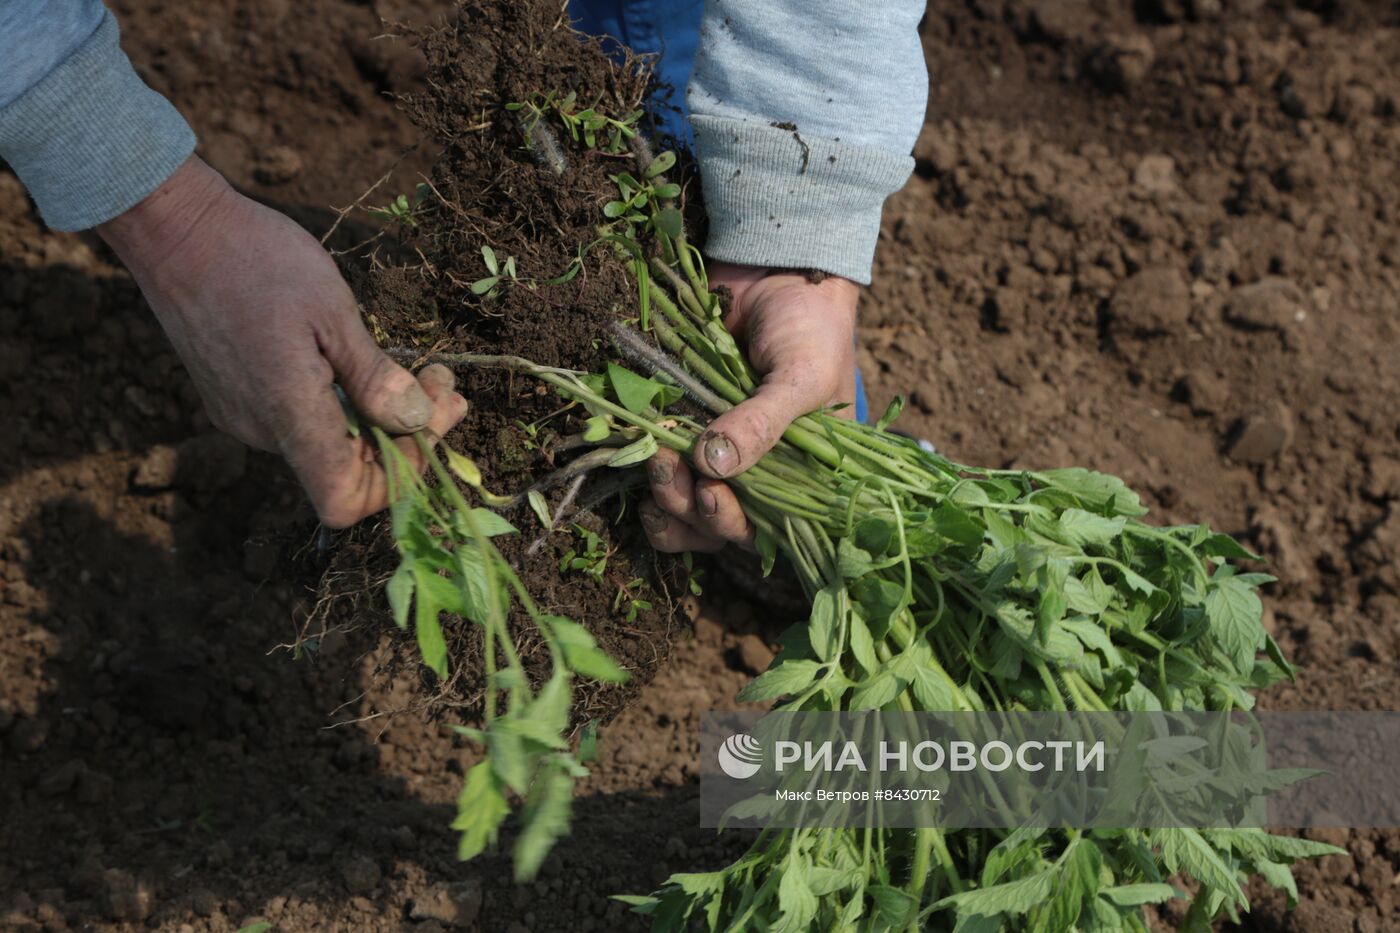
795 899
435 594
1221 545
588 742
879 599
581 652
874 535
876 691
893 906
482 286
400 592
862 645
635 452
1135 895
785 678
262 926
539 507
667 191
1186 850
1097 490
551 705
1052 604
596 429
1235 612
1084 529
1012 897
957 525
933 690
1088 594
662 162
852 562
481 807
635 393
614 209
669 221
489 255
1256 844
823 626
892 412
492 525
537 734
545 819
767 549
824 880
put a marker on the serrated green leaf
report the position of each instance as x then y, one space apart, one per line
1235 612
400 592
1135 895
435 594
545 819
1085 529
1098 490
797 903
1012 897
783 679
875 692
492 525
481 807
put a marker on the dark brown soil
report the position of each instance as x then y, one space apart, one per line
488 190
1220 329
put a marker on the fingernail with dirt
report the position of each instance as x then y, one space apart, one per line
709 505
720 454
661 472
653 519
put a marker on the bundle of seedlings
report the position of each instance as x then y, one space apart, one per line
932 585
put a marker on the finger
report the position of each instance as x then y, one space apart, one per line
340 474
380 389
738 438
720 514
672 485
672 536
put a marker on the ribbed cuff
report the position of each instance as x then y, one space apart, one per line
91 140
776 200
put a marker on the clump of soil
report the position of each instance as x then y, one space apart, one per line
490 189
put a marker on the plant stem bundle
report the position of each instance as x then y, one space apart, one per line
933 586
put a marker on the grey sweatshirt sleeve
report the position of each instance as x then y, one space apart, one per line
851 78
82 131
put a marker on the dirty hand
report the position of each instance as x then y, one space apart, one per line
799 337
263 321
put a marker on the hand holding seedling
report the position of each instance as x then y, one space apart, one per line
265 324
799 336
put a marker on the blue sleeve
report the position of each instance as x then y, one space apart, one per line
805 114
82 131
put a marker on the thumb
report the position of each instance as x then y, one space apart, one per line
381 390
738 438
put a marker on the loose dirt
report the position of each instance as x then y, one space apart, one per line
1156 238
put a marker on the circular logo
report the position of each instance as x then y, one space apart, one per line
740 756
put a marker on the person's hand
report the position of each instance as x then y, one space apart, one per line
799 336
264 323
